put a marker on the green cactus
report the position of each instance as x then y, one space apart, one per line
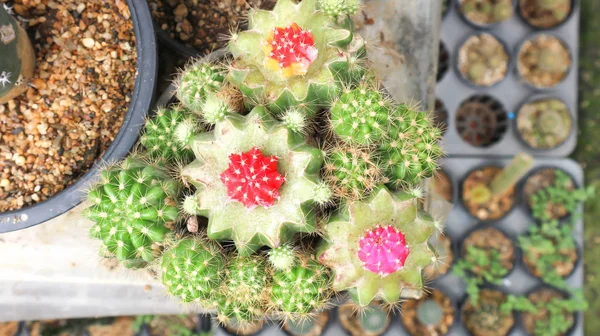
351 172
17 58
292 56
163 138
296 120
131 207
361 116
242 297
193 269
409 151
197 81
370 267
282 257
338 8
373 320
272 218
300 290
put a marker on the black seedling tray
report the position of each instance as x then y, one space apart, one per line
516 222
512 91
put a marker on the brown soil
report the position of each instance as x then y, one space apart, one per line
122 326
162 325
492 239
485 12
348 316
205 25
414 326
320 322
441 185
538 16
497 206
530 123
80 92
9 328
443 248
564 269
483 60
542 295
486 319
539 180
480 121
543 61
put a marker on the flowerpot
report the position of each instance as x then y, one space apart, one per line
485 14
485 318
445 257
540 14
543 61
565 267
140 102
481 121
483 60
432 315
309 327
245 329
372 320
544 294
497 207
540 179
544 123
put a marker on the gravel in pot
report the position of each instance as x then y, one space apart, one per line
549 252
544 123
439 117
481 121
550 193
309 327
554 314
543 61
544 14
485 317
432 315
442 246
206 24
483 60
483 13
372 320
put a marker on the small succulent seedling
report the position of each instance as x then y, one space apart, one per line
429 313
197 81
504 181
558 194
544 245
479 266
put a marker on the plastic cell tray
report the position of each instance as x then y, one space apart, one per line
513 90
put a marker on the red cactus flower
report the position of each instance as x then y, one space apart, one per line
383 250
252 179
290 50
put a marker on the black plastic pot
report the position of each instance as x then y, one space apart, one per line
536 28
483 26
516 317
179 48
576 315
456 313
141 101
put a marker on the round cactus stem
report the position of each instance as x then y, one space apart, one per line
429 313
373 319
383 250
282 258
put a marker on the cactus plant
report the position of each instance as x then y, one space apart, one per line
352 172
242 298
192 270
355 241
197 81
291 56
253 214
301 289
131 208
338 8
164 139
487 316
17 59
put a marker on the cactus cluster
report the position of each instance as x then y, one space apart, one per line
287 146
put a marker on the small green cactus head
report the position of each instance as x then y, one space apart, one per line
352 172
339 8
360 116
282 258
503 11
429 313
162 138
132 207
197 81
300 290
193 269
190 205
480 194
295 120
553 62
373 319
242 296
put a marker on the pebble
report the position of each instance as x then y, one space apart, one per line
88 42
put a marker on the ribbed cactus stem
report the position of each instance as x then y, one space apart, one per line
196 82
337 8
511 174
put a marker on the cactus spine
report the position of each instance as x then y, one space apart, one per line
164 138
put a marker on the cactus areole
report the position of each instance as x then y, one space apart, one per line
252 179
290 50
383 250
